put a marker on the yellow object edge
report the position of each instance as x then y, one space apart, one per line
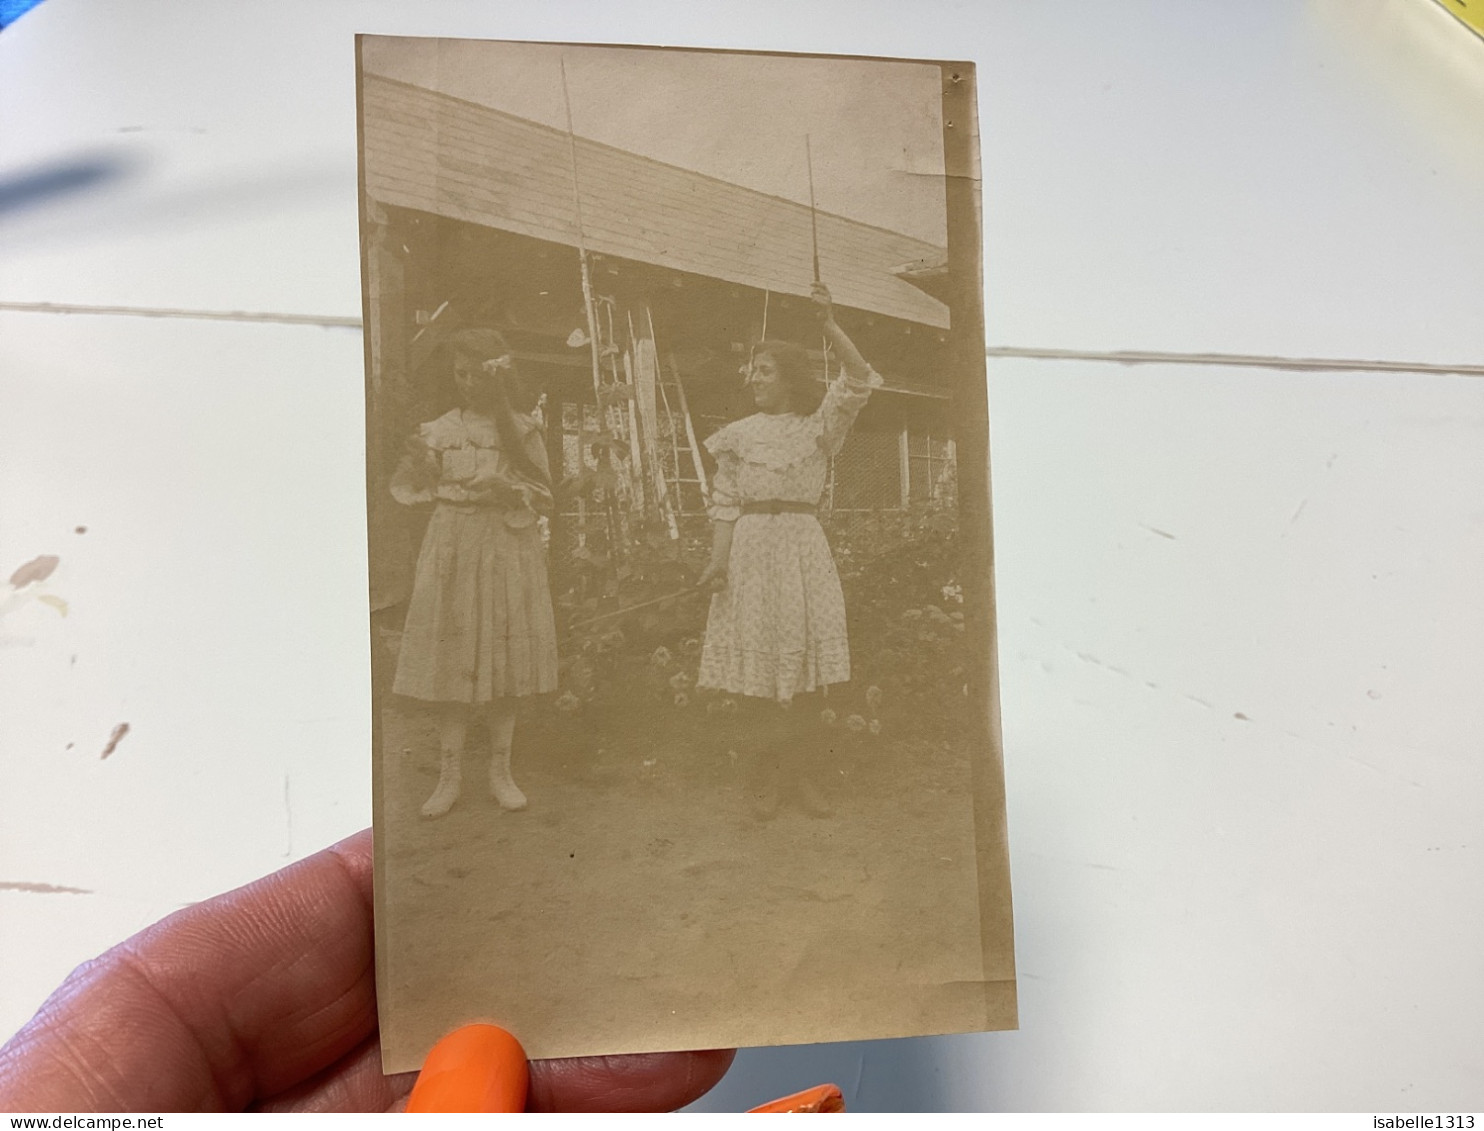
1470 12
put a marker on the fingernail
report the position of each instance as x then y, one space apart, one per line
479 1068
823 1098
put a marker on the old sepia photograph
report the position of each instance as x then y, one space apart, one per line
681 577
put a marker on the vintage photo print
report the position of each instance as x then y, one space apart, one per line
681 599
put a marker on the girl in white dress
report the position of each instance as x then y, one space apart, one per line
776 628
480 632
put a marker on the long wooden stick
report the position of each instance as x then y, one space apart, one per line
813 216
633 608
587 281
752 347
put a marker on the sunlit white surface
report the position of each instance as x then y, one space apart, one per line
1240 634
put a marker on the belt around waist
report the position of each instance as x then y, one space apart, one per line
778 506
469 506
514 517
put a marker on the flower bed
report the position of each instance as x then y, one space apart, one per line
628 680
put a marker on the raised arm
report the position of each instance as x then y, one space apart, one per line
846 396
855 365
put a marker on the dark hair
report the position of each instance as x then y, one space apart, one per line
485 345
510 394
797 373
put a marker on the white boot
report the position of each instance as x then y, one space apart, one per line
502 785
447 792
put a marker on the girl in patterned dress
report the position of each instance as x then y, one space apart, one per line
480 633
776 628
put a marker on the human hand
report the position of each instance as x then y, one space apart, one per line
421 459
824 305
713 577
493 487
265 999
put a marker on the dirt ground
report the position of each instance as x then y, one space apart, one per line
638 904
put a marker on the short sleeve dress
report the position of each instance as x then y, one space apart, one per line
479 623
778 627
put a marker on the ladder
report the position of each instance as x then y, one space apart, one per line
642 402
641 365
680 427
617 414
685 482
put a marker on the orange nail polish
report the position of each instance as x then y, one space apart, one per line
824 1098
479 1068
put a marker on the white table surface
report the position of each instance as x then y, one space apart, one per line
1240 616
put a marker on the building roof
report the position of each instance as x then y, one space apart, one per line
453 158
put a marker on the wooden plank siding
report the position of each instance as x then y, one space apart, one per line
438 154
